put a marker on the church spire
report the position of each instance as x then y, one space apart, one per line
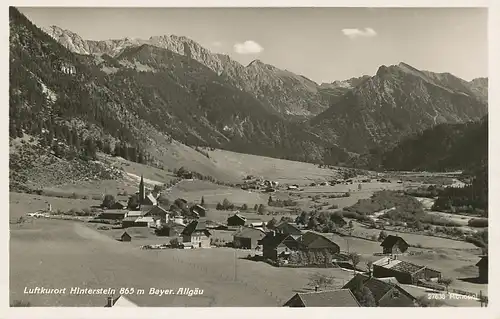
141 191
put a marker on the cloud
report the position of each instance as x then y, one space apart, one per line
359 33
248 47
216 43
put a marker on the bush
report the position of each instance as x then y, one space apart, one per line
478 222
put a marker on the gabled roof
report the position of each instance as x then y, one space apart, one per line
237 215
249 232
398 265
157 210
198 206
379 288
311 239
125 234
122 301
483 262
331 298
196 225
391 240
152 199
288 228
130 219
273 241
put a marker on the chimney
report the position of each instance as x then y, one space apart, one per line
110 302
316 288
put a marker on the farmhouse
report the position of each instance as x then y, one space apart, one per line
236 220
145 221
118 205
405 272
171 229
275 245
312 241
199 211
483 268
247 238
331 298
120 301
112 214
159 212
196 234
289 229
385 293
126 237
394 245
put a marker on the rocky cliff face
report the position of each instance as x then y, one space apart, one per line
399 100
281 91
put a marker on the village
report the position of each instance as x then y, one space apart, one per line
386 272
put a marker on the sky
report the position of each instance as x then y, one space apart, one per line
323 44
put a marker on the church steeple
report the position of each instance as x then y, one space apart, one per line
141 191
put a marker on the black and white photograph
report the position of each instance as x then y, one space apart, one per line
248 157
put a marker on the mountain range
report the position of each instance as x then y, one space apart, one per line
147 95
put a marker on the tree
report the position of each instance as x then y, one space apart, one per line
256 207
270 200
446 282
244 207
369 265
313 223
262 209
351 224
174 242
382 236
355 259
301 219
108 201
133 202
272 223
364 296
202 202
320 280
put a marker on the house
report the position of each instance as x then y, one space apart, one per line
199 211
159 212
129 222
135 213
247 238
120 301
394 245
483 268
292 187
171 229
327 298
278 245
313 241
118 205
236 220
196 234
385 293
125 237
405 272
112 214
289 229
145 221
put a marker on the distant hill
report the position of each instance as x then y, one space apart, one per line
441 148
399 101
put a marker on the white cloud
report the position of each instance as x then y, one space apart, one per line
248 47
359 33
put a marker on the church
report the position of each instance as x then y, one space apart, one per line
146 202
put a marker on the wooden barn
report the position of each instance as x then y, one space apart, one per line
327 298
385 293
125 237
405 272
236 220
247 238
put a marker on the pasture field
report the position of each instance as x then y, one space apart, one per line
193 190
21 203
283 171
